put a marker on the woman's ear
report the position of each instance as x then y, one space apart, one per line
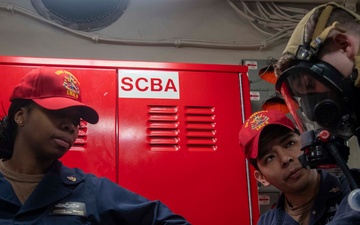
19 117
260 177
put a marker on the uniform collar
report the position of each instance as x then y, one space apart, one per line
59 181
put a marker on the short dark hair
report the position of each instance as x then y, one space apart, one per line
269 133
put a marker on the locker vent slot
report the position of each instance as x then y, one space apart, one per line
163 128
200 128
81 140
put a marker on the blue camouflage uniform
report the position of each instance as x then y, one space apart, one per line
69 196
331 191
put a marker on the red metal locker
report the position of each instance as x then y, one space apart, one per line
167 131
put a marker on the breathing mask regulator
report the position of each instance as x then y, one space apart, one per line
321 100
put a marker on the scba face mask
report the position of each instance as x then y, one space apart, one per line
319 97
317 94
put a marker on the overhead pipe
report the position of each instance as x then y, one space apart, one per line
178 43
350 4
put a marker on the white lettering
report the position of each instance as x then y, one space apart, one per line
148 84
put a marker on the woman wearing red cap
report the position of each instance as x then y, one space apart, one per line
41 126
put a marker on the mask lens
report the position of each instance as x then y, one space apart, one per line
314 100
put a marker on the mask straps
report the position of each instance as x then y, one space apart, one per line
324 16
320 32
319 40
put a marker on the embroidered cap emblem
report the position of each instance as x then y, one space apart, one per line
71 84
258 121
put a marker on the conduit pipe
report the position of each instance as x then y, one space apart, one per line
178 43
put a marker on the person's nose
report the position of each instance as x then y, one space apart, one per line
286 159
68 126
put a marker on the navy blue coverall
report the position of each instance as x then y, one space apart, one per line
69 196
332 190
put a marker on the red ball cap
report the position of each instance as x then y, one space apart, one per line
54 89
250 131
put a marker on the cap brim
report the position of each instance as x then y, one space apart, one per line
55 103
255 146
